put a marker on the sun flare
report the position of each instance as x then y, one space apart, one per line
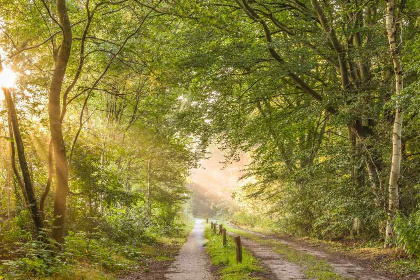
7 78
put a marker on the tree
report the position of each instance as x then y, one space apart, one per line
288 82
394 46
28 190
54 112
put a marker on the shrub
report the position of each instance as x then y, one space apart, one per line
37 259
407 231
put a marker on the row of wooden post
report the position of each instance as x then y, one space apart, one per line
237 239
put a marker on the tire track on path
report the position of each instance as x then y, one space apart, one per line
340 264
282 269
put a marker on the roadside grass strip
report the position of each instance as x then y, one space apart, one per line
224 257
314 267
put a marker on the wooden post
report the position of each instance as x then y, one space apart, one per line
211 225
220 229
207 220
224 236
214 228
238 249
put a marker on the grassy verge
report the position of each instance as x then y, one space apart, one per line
225 259
315 268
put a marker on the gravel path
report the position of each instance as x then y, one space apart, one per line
192 263
341 265
279 267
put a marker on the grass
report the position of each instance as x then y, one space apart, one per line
405 266
81 271
225 259
314 268
95 259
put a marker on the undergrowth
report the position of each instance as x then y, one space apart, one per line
83 257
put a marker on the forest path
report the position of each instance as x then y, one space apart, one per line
192 262
342 265
272 261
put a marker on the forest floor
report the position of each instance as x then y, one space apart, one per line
315 259
156 267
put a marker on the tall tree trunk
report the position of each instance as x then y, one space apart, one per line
9 179
13 163
3 188
148 205
9 188
54 112
391 28
29 189
49 181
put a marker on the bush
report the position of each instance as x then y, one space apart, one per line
37 260
252 220
407 231
10 234
100 252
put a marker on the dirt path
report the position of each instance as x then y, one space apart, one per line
192 263
280 268
341 265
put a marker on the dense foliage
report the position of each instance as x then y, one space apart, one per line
127 160
307 90
116 100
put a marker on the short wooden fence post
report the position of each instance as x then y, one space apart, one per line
211 225
214 228
224 236
238 249
220 229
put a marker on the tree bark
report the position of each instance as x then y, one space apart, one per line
341 55
29 189
391 28
54 112
13 163
9 177
148 205
49 181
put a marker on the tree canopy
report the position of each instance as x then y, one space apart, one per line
116 101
